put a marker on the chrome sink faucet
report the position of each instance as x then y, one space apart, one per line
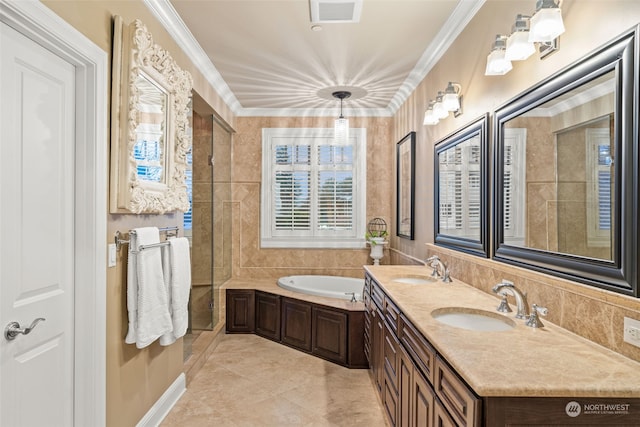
439 268
521 297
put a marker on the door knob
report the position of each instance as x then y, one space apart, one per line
12 330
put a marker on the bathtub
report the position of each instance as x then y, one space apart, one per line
324 286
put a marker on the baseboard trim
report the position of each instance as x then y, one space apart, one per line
161 408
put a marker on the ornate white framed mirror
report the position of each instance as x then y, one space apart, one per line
149 124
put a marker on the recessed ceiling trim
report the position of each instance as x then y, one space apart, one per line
314 112
458 20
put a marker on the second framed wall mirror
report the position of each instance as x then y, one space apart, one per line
566 172
461 193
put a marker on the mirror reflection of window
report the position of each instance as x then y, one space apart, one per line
149 150
459 189
514 185
558 173
584 189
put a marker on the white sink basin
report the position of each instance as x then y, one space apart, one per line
415 280
472 319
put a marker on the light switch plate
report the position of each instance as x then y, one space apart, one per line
632 331
111 250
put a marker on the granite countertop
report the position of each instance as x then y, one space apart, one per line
523 361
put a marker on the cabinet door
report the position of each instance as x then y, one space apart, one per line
390 352
460 402
329 334
356 357
422 402
441 417
405 388
296 324
240 311
377 343
268 315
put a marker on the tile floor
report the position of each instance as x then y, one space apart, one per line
251 381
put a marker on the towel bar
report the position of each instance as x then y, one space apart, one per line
119 240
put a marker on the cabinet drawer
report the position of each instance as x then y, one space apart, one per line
377 295
461 403
392 314
420 350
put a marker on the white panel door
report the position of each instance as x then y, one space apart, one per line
37 100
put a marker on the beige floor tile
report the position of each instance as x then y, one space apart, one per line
251 381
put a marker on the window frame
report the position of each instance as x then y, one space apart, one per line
354 238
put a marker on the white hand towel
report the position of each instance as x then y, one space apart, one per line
180 288
132 290
153 318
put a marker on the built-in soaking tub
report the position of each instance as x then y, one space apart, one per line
324 286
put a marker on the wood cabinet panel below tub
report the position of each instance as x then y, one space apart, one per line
296 324
240 311
268 315
332 333
329 334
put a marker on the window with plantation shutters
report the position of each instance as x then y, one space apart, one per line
313 190
459 192
514 186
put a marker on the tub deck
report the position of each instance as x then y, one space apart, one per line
271 285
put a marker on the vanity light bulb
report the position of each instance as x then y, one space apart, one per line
430 118
451 102
497 64
518 46
439 111
546 25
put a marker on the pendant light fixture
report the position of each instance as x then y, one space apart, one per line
341 127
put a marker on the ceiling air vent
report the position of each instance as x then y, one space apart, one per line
335 11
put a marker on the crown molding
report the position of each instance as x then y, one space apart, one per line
169 18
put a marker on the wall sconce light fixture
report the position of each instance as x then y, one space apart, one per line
519 47
497 63
546 23
539 31
448 101
341 127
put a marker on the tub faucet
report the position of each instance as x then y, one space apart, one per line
439 268
353 296
521 298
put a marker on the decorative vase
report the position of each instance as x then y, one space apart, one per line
377 248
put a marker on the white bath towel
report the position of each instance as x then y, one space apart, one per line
178 268
147 299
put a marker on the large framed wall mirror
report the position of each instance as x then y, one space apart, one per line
461 196
150 135
566 172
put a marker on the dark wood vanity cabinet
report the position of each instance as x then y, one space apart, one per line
268 315
331 333
240 311
417 389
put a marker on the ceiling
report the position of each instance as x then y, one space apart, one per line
264 59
